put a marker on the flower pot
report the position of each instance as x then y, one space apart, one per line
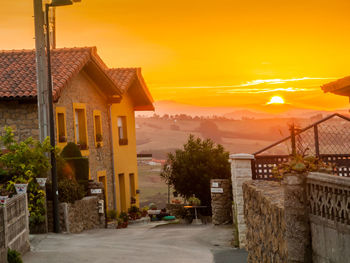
21 188
41 181
3 199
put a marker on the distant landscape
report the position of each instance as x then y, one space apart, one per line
239 131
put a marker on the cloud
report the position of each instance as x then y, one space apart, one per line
265 90
273 81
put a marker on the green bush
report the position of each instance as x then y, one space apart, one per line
124 216
133 209
13 256
80 166
72 164
71 150
69 190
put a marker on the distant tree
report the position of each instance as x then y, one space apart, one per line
209 130
190 169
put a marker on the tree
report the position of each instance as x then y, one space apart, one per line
189 170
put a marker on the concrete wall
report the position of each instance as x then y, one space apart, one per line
329 217
241 172
264 217
14 226
221 203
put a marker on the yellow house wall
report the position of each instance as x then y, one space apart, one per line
125 160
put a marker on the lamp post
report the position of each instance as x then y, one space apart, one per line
54 3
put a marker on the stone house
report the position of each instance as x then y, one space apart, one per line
94 107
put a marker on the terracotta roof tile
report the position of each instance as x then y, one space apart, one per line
18 70
123 77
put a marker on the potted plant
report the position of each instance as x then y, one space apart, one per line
125 218
99 137
83 146
21 185
133 200
4 195
62 138
194 201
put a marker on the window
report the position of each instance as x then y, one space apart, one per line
122 131
98 129
80 127
61 126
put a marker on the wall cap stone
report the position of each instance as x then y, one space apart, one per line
329 178
241 156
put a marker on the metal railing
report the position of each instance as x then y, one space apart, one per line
327 139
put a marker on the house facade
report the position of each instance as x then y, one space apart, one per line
94 107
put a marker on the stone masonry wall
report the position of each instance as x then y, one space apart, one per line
264 217
221 203
77 217
21 117
83 90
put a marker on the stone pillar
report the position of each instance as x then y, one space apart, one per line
296 218
97 189
221 201
241 171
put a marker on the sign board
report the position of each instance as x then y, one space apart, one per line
96 191
217 190
214 184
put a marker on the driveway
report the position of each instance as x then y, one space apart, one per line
140 243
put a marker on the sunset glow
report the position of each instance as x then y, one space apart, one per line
231 53
276 100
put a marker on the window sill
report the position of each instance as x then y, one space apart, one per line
61 145
85 152
98 144
123 142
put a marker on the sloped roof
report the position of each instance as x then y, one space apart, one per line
130 80
123 77
339 87
18 74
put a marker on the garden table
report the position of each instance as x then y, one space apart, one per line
195 221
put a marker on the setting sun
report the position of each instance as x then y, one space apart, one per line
276 100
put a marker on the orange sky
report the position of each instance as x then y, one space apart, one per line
208 53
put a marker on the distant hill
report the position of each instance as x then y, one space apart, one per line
263 111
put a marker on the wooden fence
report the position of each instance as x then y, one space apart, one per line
14 226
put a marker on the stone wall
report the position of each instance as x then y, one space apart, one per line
221 203
77 217
83 90
21 117
264 217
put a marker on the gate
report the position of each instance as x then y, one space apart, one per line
327 139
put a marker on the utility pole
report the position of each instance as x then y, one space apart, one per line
44 98
41 71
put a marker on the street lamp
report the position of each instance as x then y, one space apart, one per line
54 3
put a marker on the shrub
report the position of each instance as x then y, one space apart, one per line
72 164
124 216
112 215
71 150
69 190
133 209
13 256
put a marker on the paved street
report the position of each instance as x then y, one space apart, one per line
139 243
